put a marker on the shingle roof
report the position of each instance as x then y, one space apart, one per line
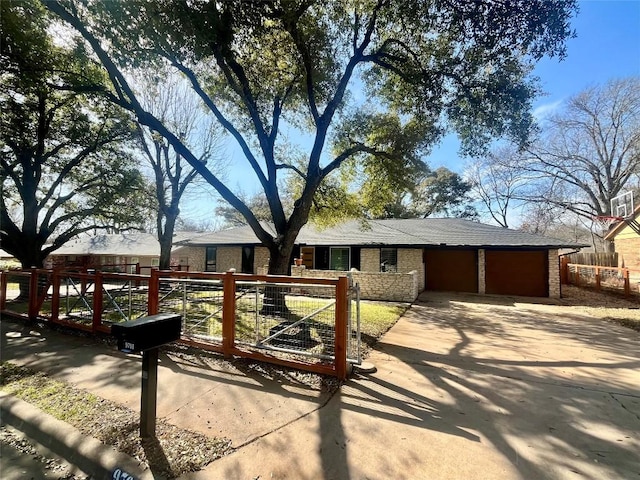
130 244
454 232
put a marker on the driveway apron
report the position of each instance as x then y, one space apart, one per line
471 387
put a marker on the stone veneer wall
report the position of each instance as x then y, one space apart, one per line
409 260
554 274
395 287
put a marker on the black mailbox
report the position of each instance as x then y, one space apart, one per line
147 332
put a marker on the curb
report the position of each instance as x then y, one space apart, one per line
100 461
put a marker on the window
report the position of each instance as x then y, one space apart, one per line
133 264
155 262
339 258
210 260
389 260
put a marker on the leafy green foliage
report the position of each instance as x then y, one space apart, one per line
64 164
374 84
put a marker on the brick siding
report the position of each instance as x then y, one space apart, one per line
554 274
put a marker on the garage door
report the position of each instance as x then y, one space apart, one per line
453 270
517 272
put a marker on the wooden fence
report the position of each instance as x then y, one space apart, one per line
601 259
596 276
85 300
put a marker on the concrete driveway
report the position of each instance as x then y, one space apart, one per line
467 387
472 387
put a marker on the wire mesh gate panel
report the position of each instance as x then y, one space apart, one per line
122 297
199 301
281 317
284 318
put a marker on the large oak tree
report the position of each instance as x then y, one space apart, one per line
63 163
372 82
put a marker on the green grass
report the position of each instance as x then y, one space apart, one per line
55 398
378 317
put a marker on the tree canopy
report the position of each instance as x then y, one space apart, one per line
372 82
63 160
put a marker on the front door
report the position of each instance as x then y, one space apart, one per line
307 257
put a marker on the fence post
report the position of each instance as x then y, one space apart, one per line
97 300
153 299
597 278
228 313
577 284
3 290
33 295
340 348
55 295
627 283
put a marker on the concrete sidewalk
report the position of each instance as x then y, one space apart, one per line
463 390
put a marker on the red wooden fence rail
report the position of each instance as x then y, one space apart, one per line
229 347
565 274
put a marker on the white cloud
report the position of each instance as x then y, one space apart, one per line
544 110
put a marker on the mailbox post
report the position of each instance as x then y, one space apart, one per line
146 335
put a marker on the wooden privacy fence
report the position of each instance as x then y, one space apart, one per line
596 276
222 312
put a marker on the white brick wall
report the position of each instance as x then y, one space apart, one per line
260 258
196 256
228 258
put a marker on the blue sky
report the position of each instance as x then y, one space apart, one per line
607 46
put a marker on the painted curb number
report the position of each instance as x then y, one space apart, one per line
121 475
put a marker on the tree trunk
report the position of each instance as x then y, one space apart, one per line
274 302
166 242
27 261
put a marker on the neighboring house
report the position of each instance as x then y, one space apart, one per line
120 251
396 259
625 235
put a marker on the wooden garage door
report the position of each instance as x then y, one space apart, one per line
517 272
453 270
